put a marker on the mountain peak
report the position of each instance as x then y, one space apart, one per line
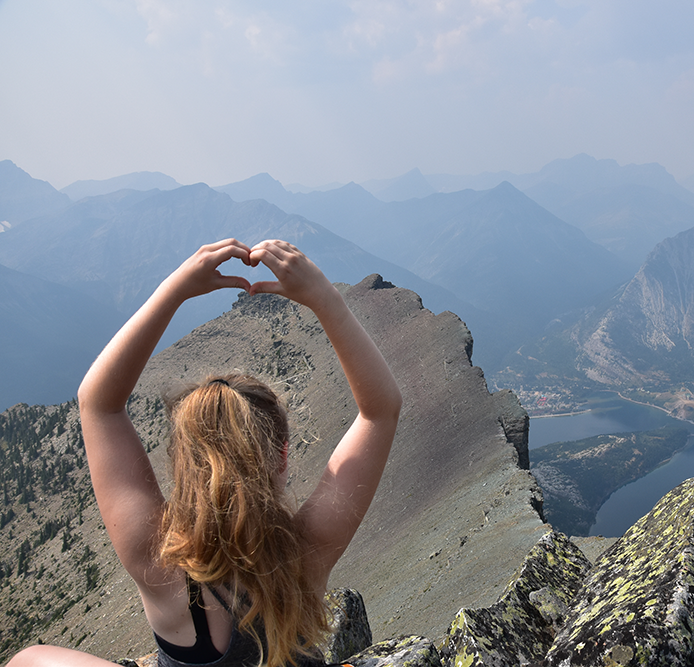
260 186
23 197
137 180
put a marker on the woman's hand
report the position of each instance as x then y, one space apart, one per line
199 273
298 278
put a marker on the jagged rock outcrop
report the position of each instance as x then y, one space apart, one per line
412 651
515 422
351 631
521 626
637 605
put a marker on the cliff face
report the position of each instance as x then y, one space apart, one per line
646 336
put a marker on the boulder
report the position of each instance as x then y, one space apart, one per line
412 651
351 632
521 626
636 606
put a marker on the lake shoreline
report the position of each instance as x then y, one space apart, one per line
620 395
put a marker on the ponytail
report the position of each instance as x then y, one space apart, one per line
227 521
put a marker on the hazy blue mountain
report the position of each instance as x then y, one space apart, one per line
629 220
141 180
497 249
579 174
49 336
646 335
23 197
641 335
583 173
408 186
116 248
513 257
484 181
260 186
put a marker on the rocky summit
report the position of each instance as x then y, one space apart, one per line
456 512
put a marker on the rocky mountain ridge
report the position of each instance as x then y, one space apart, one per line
452 495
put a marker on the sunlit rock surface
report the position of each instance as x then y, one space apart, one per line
521 626
412 651
636 606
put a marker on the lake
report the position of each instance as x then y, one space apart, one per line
607 413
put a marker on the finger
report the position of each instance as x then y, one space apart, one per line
227 242
269 259
234 282
265 287
273 254
229 248
226 253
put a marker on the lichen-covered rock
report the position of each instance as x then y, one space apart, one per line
412 651
637 604
351 632
520 627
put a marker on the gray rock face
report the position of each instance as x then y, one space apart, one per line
637 604
515 422
350 624
409 651
521 626
646 336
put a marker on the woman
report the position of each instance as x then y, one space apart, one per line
227 575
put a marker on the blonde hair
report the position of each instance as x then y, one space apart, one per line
227 522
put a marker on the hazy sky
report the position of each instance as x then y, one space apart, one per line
315 91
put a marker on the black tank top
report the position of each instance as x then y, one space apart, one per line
241 652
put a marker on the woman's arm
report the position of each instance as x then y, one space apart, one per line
124 483
334 511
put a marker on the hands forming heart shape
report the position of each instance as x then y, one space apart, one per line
298 278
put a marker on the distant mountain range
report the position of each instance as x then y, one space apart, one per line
517 271
115 249
497 249
23 197
626 209
143 180
641 336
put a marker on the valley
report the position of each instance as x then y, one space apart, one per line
577 477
